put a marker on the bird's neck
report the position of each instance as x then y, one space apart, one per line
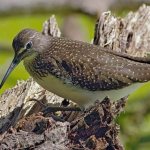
28 61
30 57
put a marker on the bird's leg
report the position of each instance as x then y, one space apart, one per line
52 109
39 101
48 109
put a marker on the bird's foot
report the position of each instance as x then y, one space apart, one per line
63 107
51 109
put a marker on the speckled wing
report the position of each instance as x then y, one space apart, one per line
89 67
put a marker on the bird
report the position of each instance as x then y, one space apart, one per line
76 70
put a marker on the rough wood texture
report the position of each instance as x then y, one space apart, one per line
130 34
92 130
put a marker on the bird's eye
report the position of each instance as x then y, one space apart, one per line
29 45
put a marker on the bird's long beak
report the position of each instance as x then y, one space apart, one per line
14 63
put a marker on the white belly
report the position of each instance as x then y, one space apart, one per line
83 97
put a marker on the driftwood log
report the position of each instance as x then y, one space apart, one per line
23 123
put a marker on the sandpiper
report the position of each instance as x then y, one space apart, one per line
76 70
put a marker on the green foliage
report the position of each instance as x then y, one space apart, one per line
135 121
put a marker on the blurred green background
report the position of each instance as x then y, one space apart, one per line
134 121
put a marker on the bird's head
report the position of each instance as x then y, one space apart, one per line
26 43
